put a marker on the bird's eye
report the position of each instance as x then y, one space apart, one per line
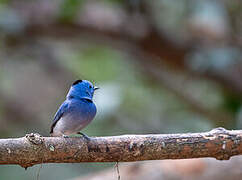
90 86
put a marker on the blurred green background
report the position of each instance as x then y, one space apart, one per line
162 66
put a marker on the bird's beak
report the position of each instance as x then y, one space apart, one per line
96 88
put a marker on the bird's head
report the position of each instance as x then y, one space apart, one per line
82 89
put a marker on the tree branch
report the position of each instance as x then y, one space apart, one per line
34 149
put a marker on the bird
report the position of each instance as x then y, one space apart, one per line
76 112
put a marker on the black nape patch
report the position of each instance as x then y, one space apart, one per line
76 82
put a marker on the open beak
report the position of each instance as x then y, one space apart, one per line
96 88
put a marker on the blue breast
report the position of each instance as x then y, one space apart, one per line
82 109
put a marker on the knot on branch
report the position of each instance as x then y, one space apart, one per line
34 138
219 130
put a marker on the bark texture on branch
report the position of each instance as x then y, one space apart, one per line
34 149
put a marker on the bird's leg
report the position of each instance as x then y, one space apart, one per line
84 135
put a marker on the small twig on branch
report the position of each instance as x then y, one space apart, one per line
34 149
117 167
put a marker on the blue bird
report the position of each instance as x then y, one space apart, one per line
76 112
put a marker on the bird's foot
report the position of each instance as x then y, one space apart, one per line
65 136
84 136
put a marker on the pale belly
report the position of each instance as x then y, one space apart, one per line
69 124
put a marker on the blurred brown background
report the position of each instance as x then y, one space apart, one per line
163 67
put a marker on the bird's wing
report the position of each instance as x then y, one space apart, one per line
62 109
